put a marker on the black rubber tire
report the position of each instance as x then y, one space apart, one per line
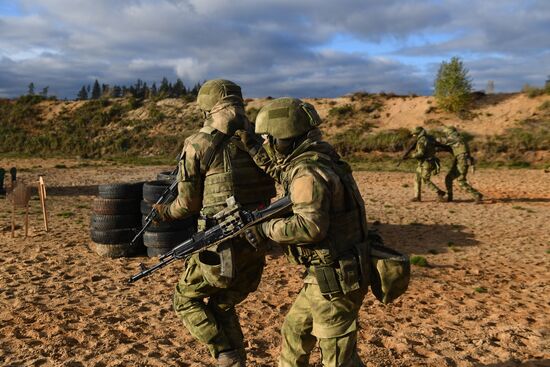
113 236
188 224
145 207
166 176
152 190
121 191
115 206
165 239
106 222
116 250
157 251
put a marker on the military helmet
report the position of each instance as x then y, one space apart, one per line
286 117
419 130
214 91
449 130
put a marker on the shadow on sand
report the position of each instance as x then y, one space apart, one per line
424 238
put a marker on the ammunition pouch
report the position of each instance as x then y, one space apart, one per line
216 264
343 276
390 273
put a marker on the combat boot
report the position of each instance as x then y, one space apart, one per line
478 199
415 200
449 198
441 196
231 358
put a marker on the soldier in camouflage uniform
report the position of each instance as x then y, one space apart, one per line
428 164
326 233
462 160
215 165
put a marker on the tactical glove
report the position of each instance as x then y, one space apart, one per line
255 235
251 141
162 213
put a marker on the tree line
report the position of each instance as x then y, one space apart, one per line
139 89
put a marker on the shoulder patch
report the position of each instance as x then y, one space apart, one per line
302 190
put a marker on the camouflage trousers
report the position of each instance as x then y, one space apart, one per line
424 171
332 322
215 322
458 171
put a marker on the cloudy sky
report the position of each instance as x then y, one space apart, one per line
302 48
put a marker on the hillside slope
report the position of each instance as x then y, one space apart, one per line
501 126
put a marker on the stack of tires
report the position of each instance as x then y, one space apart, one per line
115 219
161 237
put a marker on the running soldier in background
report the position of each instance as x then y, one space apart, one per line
428 163
215 165
462 160
326 233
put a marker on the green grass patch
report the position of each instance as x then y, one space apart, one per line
419 261
66 214
480 290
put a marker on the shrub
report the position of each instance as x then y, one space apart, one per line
453 86
341 111
533 92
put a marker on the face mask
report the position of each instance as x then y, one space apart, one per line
271 149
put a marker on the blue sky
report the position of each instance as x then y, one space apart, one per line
272 47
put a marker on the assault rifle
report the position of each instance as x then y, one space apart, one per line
231 222
408 151
163 199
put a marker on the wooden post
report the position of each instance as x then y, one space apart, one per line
20 194
42 194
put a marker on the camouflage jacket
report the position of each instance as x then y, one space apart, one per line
457 144
328 213
425 148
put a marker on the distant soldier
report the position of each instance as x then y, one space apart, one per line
428 163
462 160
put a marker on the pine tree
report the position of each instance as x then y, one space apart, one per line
31 89
96 90
154 90
82 94
178 89
453 86
164 89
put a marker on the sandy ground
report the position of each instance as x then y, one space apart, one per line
63 305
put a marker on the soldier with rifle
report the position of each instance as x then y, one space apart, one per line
425 148
326 233
215 166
